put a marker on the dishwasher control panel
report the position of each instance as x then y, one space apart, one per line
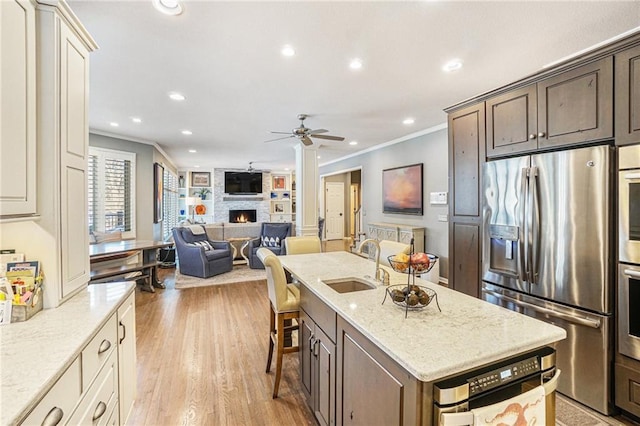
500 376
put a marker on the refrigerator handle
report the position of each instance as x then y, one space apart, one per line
535 226
588 322
522 261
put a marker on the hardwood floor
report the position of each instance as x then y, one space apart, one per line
202 355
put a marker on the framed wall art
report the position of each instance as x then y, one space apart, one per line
402 190
158 191
200 179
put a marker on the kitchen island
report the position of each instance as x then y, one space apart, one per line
426 346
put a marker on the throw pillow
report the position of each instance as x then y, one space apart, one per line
207 246
270 241
103 237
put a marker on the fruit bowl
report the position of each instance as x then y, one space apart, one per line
411 296
410 266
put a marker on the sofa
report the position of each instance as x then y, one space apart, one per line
272 236
199 256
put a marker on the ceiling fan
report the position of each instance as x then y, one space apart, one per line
305 134
252 169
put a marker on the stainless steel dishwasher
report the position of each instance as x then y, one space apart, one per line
519 387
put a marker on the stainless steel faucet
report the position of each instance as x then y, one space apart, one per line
377 245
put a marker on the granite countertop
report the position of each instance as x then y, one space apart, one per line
35 353
429 344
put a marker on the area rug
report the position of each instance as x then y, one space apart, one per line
571 413
239 274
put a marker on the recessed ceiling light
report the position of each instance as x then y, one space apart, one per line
353 143
286 169
187 132
452 65
288 50
193 151
136 120
355 64
196 166
168 7
408 121
177 96
114 124
318 157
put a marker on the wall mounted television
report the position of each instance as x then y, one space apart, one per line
242 183
402 190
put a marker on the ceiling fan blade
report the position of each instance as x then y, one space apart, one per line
306 141
277 139
315 132
281 133
329 137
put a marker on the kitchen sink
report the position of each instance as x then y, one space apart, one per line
348 285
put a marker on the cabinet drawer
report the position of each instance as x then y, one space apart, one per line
61 399
98 350
322 315
101 398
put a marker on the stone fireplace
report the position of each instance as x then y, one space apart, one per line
242 216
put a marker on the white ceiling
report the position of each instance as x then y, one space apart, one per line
225 58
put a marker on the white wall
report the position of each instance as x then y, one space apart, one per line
431 150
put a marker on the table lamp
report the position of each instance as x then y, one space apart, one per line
191 203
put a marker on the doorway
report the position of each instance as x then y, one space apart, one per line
334 219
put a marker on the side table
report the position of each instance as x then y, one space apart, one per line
239 245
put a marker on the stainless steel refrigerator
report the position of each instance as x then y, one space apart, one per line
547 254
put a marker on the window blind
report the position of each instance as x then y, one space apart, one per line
170 204
111 191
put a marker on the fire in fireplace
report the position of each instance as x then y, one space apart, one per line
242 216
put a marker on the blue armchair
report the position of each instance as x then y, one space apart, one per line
272 236
198 256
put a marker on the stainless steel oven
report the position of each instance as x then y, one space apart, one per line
629 310
523 381
629 204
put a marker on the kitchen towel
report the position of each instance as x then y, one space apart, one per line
523 410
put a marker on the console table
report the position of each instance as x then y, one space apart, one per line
396 232
114 250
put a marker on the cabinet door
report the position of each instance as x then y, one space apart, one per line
628 96
511 122
324 352
464 271
17 108
306 354
127 357
371 395
466 153
576 106
74 146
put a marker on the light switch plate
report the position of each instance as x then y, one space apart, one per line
443 218
438 198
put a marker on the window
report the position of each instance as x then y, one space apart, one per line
170 204
112 191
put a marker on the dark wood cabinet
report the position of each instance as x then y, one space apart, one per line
466 153
512 122
306 327
466 156
577 105
627 96
572 107
464 267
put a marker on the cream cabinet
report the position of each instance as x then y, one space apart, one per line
17 108
63 142
99 387
127 357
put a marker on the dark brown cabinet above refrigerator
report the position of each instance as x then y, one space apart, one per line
572 107
628 96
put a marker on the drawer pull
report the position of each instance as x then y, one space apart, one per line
53 417
124 333
100 410
104 346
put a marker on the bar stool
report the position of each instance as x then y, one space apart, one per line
303 245
284 305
